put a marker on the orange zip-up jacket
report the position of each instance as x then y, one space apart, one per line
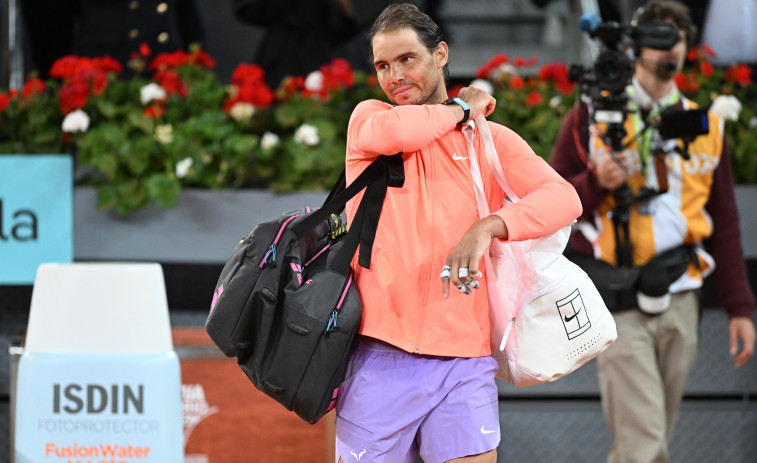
422 222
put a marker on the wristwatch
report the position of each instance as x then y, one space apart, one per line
466 109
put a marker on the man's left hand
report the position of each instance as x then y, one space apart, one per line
741 328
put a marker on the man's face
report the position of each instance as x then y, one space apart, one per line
664 64
407 72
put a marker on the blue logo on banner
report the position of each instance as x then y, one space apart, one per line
36 214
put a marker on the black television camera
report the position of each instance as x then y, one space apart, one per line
604 84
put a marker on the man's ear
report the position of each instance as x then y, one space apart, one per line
441 54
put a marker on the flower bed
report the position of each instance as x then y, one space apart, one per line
174 125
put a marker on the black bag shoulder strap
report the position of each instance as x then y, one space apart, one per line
384 172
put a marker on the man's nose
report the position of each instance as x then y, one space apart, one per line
396 74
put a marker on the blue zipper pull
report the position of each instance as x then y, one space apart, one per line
270 256
332 321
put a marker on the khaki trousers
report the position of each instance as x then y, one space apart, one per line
642 377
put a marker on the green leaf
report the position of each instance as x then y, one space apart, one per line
164 190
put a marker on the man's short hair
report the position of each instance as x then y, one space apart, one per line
668 10
407 15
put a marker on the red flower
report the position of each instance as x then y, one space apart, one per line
173 60
693 54
517 83
337 74
171 83
565 87
706 68
484 72
534 99
371 80
290 86
557 72
108 64
202 58
73 95
144 50
741 74
531 61
99 81
246 74
691 82
294 84
680 81
154 111
454 91
251 88
65 67
709 51
81 75
520 62
32 87
4 101
258 94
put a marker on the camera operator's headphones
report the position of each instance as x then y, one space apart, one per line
635 22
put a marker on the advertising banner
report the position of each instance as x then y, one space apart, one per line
90 408
36 214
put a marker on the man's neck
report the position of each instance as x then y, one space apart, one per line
654 86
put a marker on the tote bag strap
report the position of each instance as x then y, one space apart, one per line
498 303
492 159
478 182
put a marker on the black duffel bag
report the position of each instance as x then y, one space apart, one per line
285 304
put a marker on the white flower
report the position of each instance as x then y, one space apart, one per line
726 107
505 70
753 123
555 101
269 140
151 92
182 167
242 111
75 121
164 133
484 85
314 81
307 135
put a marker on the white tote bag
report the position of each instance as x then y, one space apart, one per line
547 317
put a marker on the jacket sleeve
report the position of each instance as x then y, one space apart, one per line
378 128
570 159
725 242
548 202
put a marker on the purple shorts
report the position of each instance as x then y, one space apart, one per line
394 405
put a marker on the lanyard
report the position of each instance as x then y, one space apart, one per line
644 135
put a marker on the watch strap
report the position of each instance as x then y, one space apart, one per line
466 109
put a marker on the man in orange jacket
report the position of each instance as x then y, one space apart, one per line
422 379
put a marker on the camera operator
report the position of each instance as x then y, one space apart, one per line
657 216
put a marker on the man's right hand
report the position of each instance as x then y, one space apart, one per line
480 101
613 170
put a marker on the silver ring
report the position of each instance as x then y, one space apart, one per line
464 288
445 272
462 272
477 274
